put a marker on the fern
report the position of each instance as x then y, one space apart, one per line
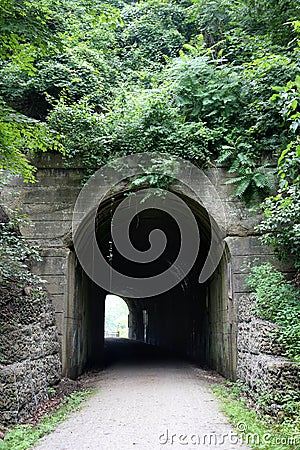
243 185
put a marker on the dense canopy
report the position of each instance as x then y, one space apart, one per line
215 82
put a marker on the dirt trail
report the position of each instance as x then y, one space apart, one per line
146 400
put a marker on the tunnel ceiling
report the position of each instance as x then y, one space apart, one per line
141 226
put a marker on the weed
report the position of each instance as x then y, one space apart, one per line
257 430
23 437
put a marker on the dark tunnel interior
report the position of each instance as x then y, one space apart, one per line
191 320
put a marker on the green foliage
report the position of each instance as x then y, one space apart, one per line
213 18
114 79
224 19
35 63
189 78
281 226
153 31
205 89
20 137
278 302
16 255
23 437
252 182
25 32
259 430
233 104
270 17
138 123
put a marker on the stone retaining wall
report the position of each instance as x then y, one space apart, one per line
30 353
261 364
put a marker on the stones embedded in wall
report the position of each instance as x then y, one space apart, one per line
30 353
261 364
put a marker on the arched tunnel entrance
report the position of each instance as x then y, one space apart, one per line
191 319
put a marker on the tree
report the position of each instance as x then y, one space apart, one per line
32 33
281 226
24 33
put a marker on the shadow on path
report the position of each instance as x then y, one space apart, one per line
128 352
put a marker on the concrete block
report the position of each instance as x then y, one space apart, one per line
239 281
48 194
46 229
55 284
58 302
59 320
51 265
246 246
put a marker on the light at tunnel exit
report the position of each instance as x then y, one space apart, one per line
116 317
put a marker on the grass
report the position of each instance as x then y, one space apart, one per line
23 437
259 431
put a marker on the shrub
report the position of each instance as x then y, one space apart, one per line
278 301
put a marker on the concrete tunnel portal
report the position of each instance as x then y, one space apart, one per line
192 320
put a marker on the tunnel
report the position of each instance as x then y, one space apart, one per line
193 320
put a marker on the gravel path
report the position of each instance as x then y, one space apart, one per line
146 401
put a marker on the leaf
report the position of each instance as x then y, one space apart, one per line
295 125
190 48
260 180
294 104
242 187
224 156
234 180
